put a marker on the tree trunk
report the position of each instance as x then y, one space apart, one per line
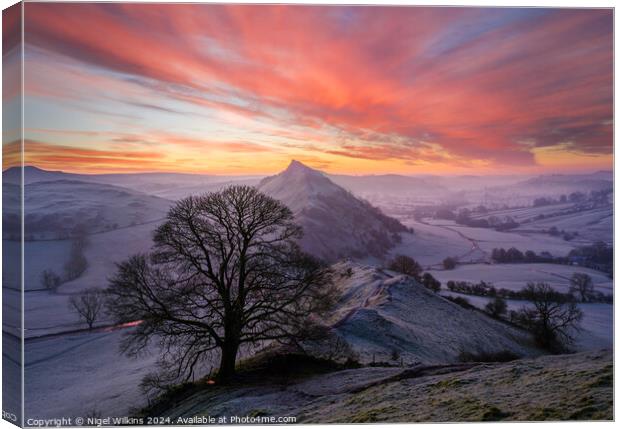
228 360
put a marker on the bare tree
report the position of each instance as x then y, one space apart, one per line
225 272
553 318
88 305
581 284
406 265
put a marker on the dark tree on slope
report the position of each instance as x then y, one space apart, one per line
449 263
582 286
553 317
406 265
77 263
497 307
88 305
225 272
431 282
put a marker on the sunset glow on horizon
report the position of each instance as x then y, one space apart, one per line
242 89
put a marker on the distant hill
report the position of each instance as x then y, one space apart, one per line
336 224
171 186
62 208
392 184
35 174
570 182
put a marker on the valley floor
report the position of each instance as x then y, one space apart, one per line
565 387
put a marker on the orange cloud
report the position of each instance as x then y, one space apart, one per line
364 82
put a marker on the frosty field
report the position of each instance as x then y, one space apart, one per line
39 256
516 276
597 317
597 323
82 374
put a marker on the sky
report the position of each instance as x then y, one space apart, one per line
360 90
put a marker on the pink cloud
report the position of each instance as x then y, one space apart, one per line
379 75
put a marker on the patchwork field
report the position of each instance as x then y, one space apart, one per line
48 312
430 245
489 239
597 320
516 276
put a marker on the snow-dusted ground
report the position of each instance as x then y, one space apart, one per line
525 213
434 240
592 225
488 239
49 312
11 373
430 245
39 256
80 374
597 320
565 387
596 326
382 314
516 276
56 209
336 224
107 249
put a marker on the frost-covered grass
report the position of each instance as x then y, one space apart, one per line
596 326
592 225
597 320
572 387
49 312
488 239
429 245
106 250
597 317
436 239
568 387
76 375
39 256
382 313
524 213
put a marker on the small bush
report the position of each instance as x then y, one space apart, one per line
431 282
459 300
406 265
449 263
395 355
50 280
496 308
77 263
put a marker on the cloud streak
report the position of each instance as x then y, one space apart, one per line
355 81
